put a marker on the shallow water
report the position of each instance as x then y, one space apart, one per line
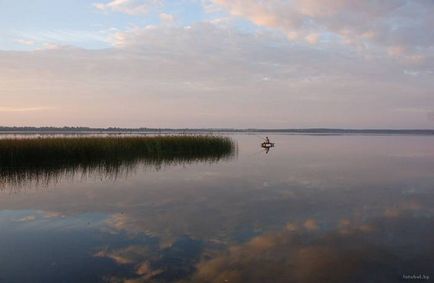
346 208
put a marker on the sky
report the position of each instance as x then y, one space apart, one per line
217 63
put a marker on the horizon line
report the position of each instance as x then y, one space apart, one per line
109 129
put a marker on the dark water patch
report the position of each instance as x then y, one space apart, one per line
56 248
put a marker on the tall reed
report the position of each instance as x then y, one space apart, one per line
46 158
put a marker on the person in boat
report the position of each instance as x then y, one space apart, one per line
267 140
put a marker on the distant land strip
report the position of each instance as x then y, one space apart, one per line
113 130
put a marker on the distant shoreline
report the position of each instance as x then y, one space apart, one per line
319 131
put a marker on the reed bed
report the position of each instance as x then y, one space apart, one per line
47 158
85 150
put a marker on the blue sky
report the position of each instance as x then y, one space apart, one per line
79 22
217 63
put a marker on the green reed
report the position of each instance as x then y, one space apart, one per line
47 158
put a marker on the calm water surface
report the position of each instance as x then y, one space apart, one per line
314 209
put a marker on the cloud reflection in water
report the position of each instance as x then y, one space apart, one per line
318 209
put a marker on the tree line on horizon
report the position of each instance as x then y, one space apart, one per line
288 130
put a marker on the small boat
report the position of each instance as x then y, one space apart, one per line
267 144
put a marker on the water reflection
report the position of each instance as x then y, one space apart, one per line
321 209
167 264
353 252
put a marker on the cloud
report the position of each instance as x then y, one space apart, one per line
203 74
52 46
26 42
312 38
24 109
392 24
167 18
130 7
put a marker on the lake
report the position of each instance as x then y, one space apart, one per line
315 208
